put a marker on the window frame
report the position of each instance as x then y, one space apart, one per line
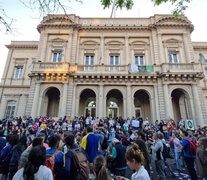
172 53
12 109
137 59
57 55
18 73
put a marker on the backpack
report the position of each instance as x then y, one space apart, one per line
104 145
193 147
50 160
80 165
165 152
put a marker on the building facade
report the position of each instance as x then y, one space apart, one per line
108 67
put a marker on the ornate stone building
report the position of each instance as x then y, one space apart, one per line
107 67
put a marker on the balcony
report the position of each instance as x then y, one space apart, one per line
180 68
50 67
94 69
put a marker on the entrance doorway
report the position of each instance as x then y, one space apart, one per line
52 99
180 103
142 104
114 104
138 112
87 105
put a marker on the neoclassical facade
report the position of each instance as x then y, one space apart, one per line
108 67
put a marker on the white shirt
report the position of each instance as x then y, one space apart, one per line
43 173
142 174
135 123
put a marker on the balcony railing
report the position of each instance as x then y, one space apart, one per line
180 67
50 67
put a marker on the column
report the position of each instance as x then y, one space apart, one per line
197 107
35 100
73 101
104 108
44 47
102 50
125 108
152 109
64 100
129 101
156 103
69 47
127 50
100 105
186 47
167 102
3 107
77 100
161 51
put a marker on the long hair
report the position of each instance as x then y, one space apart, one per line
134 153
100 168
143 149
37 157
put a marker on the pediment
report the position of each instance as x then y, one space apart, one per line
56 19
170 20
58 40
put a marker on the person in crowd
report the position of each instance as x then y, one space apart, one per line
2 140
35 168
68 171
6 154
24 156
30 137
135 161
201 158
99 168
56 145
17 150
118 154
157 149
142 146
42 136
90 144
189 159
177 151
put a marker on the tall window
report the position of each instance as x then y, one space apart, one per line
173 56
139 60
18 71
114 60
57 55
205 71
89 60
10 109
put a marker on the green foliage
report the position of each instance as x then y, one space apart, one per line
180 5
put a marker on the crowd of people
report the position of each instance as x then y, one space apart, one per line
94 148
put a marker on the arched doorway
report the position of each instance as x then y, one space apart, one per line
114 104
142 104
87 105
179 104
52 100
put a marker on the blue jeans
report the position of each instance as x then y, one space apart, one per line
178 160
160 166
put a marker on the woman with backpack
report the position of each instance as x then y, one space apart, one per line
35 168
54 156
17 150
6 154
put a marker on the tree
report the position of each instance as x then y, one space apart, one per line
180 5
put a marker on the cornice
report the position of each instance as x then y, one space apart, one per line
22 46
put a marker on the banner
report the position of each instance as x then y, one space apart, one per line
190 125
136 69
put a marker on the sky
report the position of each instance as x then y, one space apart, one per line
26 20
